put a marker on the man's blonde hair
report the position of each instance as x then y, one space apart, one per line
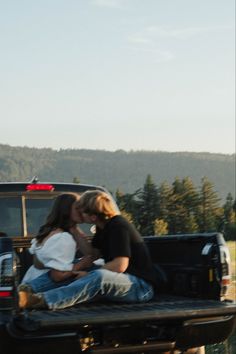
98 203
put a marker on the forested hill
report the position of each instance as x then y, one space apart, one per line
122 170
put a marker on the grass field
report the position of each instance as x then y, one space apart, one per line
232 289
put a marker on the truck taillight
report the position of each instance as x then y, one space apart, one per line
5 293
6 273
225 269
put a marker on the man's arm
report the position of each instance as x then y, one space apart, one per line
118 264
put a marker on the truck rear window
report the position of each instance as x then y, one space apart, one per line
11 216
22 216
36 213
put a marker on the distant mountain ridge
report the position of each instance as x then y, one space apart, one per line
119 169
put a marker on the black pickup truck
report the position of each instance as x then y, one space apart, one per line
190 308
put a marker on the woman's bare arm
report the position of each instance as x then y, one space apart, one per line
83 264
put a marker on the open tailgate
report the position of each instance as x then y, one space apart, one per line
101 314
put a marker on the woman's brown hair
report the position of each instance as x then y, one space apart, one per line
59 216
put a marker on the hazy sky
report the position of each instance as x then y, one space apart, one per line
118 74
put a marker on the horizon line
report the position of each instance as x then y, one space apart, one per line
117 150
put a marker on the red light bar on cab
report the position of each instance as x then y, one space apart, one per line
39 187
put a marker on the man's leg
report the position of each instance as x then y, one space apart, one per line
104 283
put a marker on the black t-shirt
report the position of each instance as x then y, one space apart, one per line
119 238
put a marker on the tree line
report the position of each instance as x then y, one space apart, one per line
178 208
126 170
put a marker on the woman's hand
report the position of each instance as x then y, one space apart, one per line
84 263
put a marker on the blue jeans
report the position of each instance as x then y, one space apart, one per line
44 282
119 287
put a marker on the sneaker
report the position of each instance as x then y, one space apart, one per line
28 300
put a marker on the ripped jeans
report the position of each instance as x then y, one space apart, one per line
99 283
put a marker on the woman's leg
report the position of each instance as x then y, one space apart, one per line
43 283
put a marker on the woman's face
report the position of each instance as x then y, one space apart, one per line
76 215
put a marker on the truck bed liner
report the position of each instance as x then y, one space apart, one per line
170 308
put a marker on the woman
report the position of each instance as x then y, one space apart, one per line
127 274
54 248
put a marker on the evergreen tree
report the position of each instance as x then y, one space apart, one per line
190 196
190 224
190 199
229 213
177 210
128 205
148 207
234 205
182 211
229 218
209 210
164 200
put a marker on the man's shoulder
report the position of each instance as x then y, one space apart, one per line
119 220
121 223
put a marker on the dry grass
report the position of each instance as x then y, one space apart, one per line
232 290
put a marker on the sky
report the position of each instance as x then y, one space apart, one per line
156 75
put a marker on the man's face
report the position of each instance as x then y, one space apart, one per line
88 218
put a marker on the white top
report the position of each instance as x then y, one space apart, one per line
57 252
